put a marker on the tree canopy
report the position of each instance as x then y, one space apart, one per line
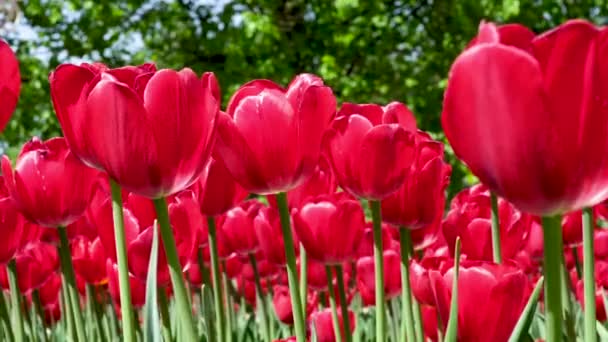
367 51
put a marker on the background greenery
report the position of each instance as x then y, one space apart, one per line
368 51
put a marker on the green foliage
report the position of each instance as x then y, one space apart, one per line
368 51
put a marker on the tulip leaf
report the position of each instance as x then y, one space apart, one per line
208 312
451 333
520 332
151 315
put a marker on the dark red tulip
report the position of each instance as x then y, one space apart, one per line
417 202
572 224
469 219
138 287
151 131
544 148
49 185
237 232
316 275
366 247
50 291
490 299
216 189
601 286
371 148
267 227
323 325
89 259
12 226
270 137
323 221
366 283
10 83
266 269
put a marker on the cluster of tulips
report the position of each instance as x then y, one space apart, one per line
158 216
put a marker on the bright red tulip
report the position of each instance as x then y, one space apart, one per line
420 281
544 147
281 302
422 196
267 227
12 226
490 299
89 259
10 83
601 286
49 185
35 264
216 189
469 219
366 282
237 232
138 287
151 131
324 328
323 221
366 247
371 148
270 137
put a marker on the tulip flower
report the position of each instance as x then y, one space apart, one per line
282 304
49 185
138 287
10 83
270 137
151 131
469 219
89 259
12 223
324 329
36 263
217 191
371 148
421 197
322 221
268 230
237 232
366 281
483 288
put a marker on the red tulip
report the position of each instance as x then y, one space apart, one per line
417 202
469 219
490 299
217 191
366 247
138 287
544 146
89 259
420 280
12 226
601 286
266 269
10 83
237 232
288 339
324 328
49 185
366 282
371 148
270 138
267 227
50 291
151 131
429 321
323 221
281 302
36 263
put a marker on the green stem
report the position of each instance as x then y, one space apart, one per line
163 304
65 309
11 270
128 320
175 270
495 229
262 297
202 268
553 283
332 303
343 302
8 332
407 321
589 276
218 296
67 268
92 310
230 313
39 313
303 277
379 271
451 332
292 273
418 330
